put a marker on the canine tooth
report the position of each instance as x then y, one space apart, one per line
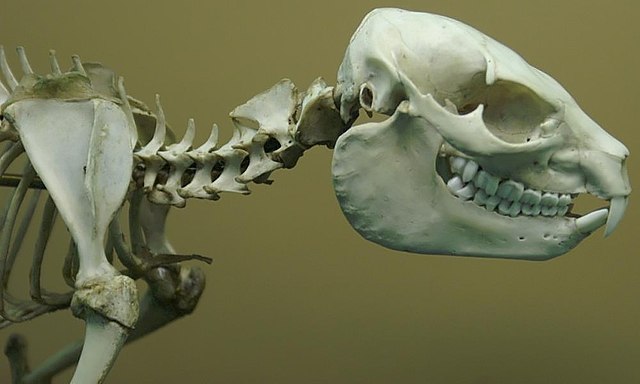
457 164
510 190
549 211
455 184
616 211
480 180
466 192
549 199
531 196
592 221
492 184
481 197
492 202
469 171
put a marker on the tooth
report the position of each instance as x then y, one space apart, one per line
481 197
592 221
564 199
535 210
492 202
457 164
514 210
549 211
466 192
492 184
531 196
616 211
504 207
510 190
469 171
526 209
563 210
480 180
549 199
454 184
518 190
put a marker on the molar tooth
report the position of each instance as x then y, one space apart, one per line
527 209
469 171
466 192
549 199
563 210
455 184
509 187
457 164
492 202
564 199
517 191
481 197
549 211
535 210
492 184
531 196
504 207
515 208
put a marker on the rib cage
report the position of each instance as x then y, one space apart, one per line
165 172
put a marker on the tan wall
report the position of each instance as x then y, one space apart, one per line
295 295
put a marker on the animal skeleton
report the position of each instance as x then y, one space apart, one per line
468 116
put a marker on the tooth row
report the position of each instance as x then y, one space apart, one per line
504 196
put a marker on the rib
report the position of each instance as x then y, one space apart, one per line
7 231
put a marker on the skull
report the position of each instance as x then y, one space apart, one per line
482 154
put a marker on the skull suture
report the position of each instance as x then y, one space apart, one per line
482 154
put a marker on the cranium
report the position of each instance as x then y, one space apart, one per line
482 153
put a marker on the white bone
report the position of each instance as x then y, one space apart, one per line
450 86
24 61
53 61
6 71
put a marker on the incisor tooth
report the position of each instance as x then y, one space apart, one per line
455 184
469 171
466 192
457 164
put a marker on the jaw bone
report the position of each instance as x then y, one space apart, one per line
450 86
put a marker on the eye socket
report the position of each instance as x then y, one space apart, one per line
512 112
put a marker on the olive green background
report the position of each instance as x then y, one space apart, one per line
295 295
